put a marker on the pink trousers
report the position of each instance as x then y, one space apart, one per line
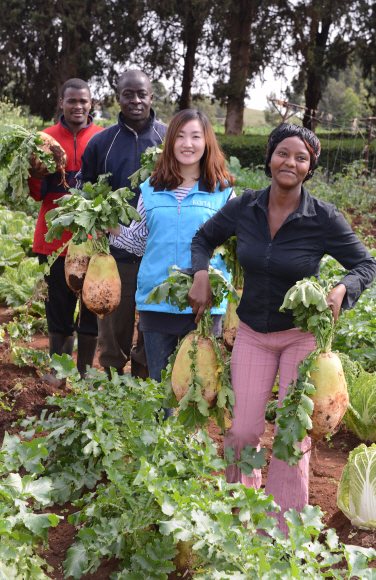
255 361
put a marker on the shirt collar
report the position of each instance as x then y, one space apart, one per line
123 124
90 119
200 186
306 207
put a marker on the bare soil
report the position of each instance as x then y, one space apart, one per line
327 460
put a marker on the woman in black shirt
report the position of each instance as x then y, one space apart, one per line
282 234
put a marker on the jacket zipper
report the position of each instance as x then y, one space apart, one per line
136 136
75 150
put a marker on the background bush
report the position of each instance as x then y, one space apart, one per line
335 152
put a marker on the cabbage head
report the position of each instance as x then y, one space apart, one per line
356 496
360 416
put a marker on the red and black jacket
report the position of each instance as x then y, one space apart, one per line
49 189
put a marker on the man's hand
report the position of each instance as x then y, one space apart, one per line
200 295
39 170
335 299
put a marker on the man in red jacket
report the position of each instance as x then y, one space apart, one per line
73 131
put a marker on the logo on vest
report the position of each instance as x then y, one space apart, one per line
201 202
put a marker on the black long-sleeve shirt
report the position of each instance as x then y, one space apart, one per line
272 266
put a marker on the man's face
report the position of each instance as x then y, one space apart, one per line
76 106
135 99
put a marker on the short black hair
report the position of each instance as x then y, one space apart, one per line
285 130
131 74
74 84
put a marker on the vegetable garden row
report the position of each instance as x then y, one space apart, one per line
149 495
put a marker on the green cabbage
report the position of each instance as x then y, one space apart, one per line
356 496
360 416
17 286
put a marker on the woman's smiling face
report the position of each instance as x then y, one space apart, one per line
190 143
290 162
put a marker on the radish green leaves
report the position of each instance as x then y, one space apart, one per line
16 146
94 208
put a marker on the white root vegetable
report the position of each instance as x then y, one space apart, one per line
331 398
101 291
76 265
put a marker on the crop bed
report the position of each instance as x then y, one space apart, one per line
327 462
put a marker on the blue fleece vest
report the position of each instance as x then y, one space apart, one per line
171 229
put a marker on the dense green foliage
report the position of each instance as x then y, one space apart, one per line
160 494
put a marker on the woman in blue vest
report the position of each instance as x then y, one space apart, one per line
189 185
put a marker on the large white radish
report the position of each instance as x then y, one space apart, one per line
102 287
231 323
331 398
206 369
76 265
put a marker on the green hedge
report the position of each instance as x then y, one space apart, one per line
251 150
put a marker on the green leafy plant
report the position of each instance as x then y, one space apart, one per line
16 146
17 227
193 407
11 254
356 491
356 331
17 287
148 160
26 357
311 313
21 528
163 496
360 416
271 410
228 254
94 208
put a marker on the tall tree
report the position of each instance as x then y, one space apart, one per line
43 43
250 30
366 48
181 28
321 34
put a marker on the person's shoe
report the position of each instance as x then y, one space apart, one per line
138 370
59 344
86 349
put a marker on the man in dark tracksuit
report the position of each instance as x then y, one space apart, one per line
118 150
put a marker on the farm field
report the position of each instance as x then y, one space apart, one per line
95 485
327 463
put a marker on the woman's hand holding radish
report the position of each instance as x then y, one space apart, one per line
200 295
114 231
335 299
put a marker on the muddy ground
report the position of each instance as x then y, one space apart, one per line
327 460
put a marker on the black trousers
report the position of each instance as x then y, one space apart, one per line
61 304
115 336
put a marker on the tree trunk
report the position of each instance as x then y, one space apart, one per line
241 18
193 16
67 67
316 71
189 63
